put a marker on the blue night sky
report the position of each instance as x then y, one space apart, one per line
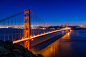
53 12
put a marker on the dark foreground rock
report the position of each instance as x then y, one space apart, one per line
8 49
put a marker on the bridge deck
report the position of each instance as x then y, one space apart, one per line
21 40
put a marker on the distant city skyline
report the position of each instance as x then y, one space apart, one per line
53 12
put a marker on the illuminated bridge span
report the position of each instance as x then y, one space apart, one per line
17 41
24 26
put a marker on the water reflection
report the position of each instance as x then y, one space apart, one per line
73 44
55 49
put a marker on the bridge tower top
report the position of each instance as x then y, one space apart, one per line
66 27
66 24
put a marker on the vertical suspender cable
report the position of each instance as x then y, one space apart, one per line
4 29
37 28
23 26
33 26
15 27
18 28
8 29
20 25
12 28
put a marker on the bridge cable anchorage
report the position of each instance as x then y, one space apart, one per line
38 17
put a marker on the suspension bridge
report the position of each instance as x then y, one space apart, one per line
24 26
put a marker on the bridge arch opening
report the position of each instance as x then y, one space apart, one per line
27 20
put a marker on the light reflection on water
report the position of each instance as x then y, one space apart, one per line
70 45
52 49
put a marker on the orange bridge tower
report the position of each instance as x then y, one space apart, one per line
27 29
67 27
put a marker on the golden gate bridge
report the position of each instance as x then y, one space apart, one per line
22 29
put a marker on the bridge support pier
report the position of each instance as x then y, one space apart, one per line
27 44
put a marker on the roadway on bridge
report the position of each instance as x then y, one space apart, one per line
39 40
45 38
